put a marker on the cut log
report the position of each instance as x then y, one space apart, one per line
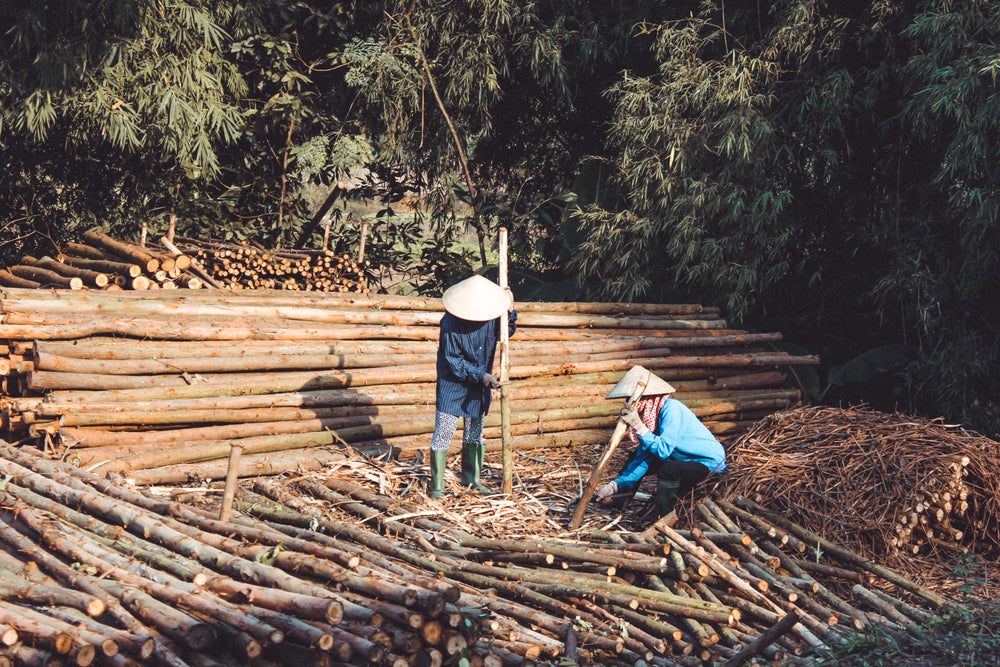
46 278
125 250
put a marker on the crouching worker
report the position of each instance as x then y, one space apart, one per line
671 443
470 330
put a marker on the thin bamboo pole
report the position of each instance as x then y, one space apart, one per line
506 457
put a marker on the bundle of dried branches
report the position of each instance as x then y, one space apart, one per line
892 486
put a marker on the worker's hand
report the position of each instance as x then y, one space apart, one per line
490 381
631 418
604 494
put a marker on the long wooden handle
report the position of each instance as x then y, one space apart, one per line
595 476
505 434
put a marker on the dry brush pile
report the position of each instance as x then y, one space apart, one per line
353 565
161 385
905 490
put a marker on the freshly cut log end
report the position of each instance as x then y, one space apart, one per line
109 647
334 613
85 655
8 636
96 607
62 643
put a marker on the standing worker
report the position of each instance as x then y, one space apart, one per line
470 330
672 443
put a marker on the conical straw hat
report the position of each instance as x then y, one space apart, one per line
477 299
636 376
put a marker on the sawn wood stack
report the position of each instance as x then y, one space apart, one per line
160 385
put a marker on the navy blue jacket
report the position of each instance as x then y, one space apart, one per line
465 352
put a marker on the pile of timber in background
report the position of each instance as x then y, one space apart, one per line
107 264
251 266
104 263
161 385
338 569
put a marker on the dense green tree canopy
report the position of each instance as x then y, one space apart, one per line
826 169
827 166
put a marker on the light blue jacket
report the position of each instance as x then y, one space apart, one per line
679 435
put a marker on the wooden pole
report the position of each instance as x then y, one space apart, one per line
361 243
232 475
595 476
506 456
763 641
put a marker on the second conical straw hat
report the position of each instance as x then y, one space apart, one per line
477 299
638 375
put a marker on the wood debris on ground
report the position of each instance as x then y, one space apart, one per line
353 564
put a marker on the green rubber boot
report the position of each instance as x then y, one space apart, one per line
439 461
472 466
666 496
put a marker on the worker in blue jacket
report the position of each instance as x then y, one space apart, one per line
672 443
469 331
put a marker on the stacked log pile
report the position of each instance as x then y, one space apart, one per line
251 266
892 486
168 382
323 569
103 263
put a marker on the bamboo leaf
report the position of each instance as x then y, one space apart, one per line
869 365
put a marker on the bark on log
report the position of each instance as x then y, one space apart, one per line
94 278
53 596
122 249
105 266
46 278
762 642
847 555
8 279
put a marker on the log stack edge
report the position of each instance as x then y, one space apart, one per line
169 380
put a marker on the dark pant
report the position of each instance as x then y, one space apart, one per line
675 479
687 474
